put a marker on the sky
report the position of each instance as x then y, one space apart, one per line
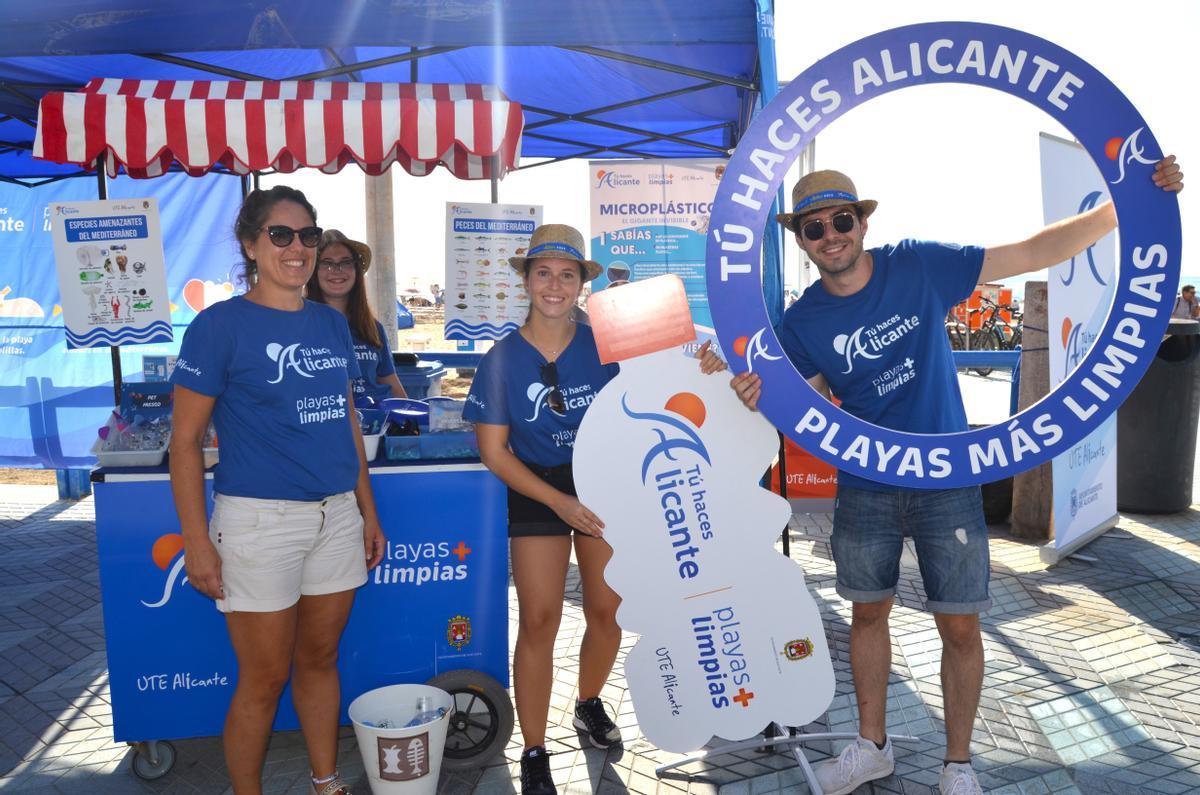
953 163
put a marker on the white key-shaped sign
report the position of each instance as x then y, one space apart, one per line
731 638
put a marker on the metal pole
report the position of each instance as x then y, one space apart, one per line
114 350
783 492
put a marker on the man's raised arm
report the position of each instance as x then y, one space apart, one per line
1064 239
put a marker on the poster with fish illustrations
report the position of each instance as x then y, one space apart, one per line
111 272
485 298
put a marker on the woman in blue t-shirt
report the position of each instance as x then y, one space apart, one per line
527 399
293 529
338 281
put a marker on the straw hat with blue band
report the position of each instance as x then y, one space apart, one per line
557 241
820 190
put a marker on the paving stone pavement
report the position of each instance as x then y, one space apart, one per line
1088 687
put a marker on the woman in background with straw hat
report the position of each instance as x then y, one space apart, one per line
527 400
338 281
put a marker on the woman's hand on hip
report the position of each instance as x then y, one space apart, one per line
374 542
577 515
203 564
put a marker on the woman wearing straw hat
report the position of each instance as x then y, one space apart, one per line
338 281
527 400
294 526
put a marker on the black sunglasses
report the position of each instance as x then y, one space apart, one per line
842 223
282 236
555 400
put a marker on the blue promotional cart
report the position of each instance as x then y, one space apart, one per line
435 610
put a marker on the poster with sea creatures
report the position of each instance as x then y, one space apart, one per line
484 297
111 272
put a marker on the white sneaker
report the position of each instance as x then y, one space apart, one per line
959 779
859 762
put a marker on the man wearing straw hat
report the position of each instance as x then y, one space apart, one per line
871 330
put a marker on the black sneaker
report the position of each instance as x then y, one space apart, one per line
535 772
592 719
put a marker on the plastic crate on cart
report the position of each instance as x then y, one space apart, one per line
449 444
109 457
119 447
402 448
445 414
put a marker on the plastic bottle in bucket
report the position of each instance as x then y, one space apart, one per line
401 733
426 712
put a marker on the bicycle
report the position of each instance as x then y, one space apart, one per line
995 333
956 331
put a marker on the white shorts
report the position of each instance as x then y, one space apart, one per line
273 551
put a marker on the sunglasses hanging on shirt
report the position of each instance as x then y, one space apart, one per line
554 399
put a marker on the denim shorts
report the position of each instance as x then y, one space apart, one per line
947 528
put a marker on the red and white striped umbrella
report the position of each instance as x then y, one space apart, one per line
145 125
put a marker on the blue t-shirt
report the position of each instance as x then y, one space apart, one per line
508 390
281 381
373 364
884 350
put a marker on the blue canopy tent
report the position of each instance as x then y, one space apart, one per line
617 79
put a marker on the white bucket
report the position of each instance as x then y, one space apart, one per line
400 761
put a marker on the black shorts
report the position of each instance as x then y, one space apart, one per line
528 517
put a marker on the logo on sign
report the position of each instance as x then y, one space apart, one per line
614 179
684 404
798 649
1076 340
752 348
719 654
1126 151
679 485
1088 203
422 562
458 631
167 554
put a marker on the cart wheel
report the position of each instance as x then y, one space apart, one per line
482 723
153 759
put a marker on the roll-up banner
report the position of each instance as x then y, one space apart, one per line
1080 293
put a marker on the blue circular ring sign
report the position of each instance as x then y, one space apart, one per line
1035 70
